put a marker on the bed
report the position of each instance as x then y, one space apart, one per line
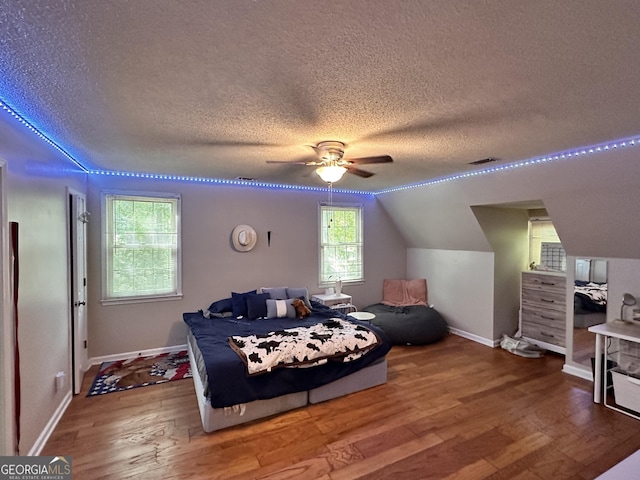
589 303
590 297
230 393
405 315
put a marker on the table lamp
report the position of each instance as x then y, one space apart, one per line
628 300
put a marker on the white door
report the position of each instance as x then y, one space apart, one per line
78 223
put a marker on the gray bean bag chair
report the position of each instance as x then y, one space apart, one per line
409 325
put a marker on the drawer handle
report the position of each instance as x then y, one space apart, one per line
547 334
548 301
548 283
547 318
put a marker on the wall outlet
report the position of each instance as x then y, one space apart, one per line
60 381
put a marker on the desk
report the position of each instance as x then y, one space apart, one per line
624 331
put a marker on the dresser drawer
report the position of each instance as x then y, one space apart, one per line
552 336
549 318
545 325
537 299
545 282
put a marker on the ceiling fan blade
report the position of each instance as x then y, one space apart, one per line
306 160
358 172
365 160
288 163
298 162
233 143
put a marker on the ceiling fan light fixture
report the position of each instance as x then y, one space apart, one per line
331 173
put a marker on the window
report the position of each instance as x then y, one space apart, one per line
545 248
340 243
141 246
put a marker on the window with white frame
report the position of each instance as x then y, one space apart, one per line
545 247
341 242
141 250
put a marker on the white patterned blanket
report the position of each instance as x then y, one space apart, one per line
334 339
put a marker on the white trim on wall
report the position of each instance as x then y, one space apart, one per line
143 353
44 436
476 338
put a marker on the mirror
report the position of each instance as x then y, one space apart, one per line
589 305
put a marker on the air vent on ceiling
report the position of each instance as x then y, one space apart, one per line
483 161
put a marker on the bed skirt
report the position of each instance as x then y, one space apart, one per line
218 418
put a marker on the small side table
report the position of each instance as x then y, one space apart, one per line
336 301
333 299
364 316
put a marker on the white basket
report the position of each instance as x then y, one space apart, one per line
626 390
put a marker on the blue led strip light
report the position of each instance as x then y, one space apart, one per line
33 129
218 181
581 152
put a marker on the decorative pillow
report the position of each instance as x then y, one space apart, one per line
220 306
302 293
400 293
239 303
281 308
276 293
257 305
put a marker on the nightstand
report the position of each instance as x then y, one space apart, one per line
341 302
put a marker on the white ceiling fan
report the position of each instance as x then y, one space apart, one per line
331 164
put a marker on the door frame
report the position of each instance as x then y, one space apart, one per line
78 333
7 339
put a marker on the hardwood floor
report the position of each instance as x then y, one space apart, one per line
583 346
453 410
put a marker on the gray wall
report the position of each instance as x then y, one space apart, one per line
460 287
593 202
507 230
37 199
212 269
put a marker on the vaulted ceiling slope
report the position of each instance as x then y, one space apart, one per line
216 88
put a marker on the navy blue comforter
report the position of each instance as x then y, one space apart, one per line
229 383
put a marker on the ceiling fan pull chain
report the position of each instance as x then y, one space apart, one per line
330 204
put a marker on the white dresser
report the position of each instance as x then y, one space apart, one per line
543 310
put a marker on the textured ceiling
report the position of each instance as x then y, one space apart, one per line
216 88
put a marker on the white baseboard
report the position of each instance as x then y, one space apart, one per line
42 439
142 353
474 337
578 372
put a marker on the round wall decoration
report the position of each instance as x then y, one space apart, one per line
244 238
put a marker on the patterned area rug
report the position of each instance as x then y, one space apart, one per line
140 372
